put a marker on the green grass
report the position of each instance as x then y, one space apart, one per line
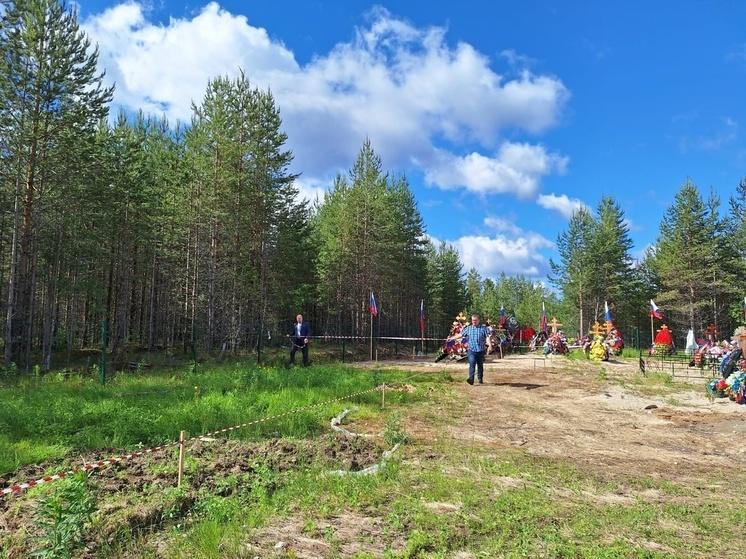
436 499
44 420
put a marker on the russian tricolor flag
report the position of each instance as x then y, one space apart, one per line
373 307
543 325
655 311
608 312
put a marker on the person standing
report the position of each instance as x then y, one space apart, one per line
477 337
299 339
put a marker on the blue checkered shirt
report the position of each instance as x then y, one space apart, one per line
477 335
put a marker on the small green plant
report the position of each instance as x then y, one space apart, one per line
394 433
602 374
62 515
10 372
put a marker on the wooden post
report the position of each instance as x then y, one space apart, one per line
383 396
181 457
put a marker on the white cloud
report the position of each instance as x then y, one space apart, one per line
429 108
515 169
163 69
561 204
311 189
415 97
515 253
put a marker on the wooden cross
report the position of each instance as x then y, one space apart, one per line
597 329
711 333
554 324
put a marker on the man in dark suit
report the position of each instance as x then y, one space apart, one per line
299 339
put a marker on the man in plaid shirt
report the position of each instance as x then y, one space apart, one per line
477 336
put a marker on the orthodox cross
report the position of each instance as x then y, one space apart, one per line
554 324
711 333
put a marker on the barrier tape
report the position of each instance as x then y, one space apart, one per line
97 465
366 338
86 468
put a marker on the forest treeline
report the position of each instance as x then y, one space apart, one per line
171 233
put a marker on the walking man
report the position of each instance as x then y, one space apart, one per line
299 339
477 336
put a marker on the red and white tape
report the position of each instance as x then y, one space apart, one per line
102 463
85 468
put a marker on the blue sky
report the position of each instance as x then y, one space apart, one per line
505 116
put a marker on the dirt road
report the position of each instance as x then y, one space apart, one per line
595 413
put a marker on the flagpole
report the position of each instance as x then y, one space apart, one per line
422 327
370 312
652 335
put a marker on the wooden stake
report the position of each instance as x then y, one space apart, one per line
383 396
181 457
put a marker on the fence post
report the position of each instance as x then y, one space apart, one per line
259 345
194 348
104 343
181 457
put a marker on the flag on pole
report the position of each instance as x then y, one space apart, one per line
543 325
373 307
502 315
608 312
422 315
655 311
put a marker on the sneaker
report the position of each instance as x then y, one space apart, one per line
470 380
481 381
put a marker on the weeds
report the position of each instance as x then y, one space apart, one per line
394 433
62 515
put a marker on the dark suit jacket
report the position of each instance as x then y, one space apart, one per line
305 330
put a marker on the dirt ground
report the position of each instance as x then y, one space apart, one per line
555 407
588 412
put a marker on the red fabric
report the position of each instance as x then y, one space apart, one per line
664 337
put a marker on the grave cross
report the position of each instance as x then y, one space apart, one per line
597 329
555 325
711 333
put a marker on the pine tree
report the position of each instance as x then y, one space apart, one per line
688 250
371 238
574 275
244 212
611 260
447 286
52 99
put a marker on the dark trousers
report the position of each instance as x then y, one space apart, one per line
476 360
298 344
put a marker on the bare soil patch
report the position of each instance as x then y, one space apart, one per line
568 408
